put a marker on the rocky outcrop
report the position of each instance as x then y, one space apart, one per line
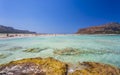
34 66
50 66
92 68
110 28
5 29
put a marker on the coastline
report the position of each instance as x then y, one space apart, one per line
21 35
16 35
97 67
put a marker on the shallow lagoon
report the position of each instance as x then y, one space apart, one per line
97 48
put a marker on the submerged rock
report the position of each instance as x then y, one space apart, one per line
34 50
92 68
75 51
34 66
15 48
4 55
50 66
66 51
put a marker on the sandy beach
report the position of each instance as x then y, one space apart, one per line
16 35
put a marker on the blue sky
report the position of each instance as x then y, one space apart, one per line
58 16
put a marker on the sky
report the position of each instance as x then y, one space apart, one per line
58 16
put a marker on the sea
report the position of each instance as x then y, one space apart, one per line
93 48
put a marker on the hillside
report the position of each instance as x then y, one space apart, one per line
109 28
5 29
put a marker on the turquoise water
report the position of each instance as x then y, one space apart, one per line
109 45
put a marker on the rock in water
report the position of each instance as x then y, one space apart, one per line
92 68
66 51
50 66
34 66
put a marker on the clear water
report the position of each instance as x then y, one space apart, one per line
82 42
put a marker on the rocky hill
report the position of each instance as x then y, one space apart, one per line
5 29
109 28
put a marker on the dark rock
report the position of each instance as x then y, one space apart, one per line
34 50
5 55
67 51
14 48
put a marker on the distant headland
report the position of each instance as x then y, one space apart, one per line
5 29
109 28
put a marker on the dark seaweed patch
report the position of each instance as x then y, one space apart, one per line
15 48
34 50
3 55
74 51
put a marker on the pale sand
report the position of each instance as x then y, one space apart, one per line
11 36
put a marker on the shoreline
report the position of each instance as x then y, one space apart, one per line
12 36
17 35
96 67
